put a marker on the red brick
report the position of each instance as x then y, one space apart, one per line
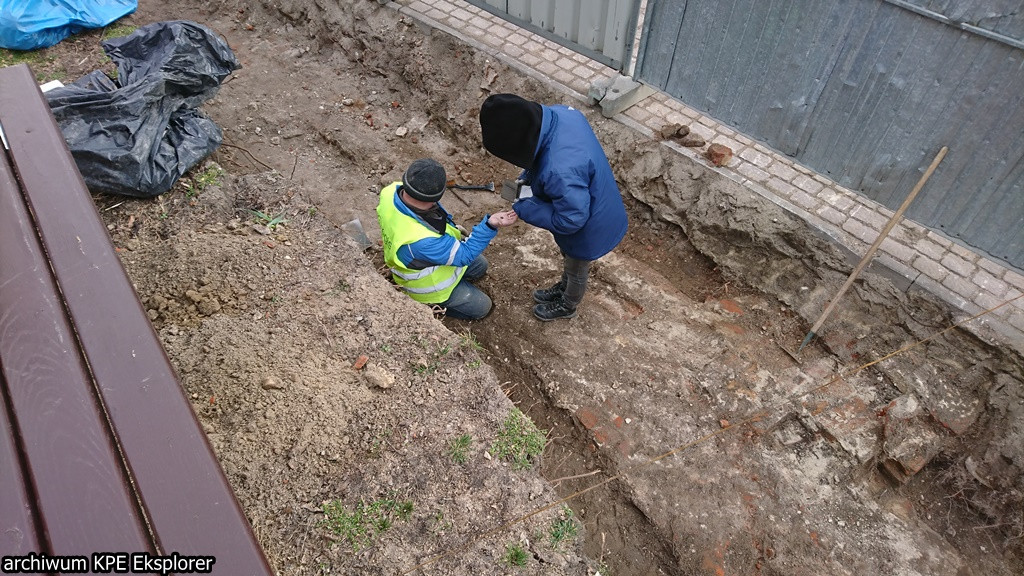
719 154
618 421
588 417
731 306
733 328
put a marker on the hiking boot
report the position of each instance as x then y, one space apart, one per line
542 295
548 311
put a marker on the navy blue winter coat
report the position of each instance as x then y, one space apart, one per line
575 195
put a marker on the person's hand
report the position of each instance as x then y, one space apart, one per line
502 219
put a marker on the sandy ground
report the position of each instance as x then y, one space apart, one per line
683 434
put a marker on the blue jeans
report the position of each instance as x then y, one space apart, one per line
467 302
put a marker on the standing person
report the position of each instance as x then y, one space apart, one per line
574 193
428 257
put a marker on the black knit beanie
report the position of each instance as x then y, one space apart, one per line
510 126
425 180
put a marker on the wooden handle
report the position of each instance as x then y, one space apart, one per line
881 236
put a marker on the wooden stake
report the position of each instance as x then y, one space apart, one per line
878 242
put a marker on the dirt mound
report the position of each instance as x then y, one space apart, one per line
683 433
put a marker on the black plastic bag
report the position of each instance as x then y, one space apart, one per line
136 135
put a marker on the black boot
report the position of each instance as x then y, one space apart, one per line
554 310
542 295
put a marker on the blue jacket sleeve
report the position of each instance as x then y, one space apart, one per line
446 250
567 210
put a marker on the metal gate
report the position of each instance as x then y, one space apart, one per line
865 92
601 29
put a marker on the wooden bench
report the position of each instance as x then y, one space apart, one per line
100 451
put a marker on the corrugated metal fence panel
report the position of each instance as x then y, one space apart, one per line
997 19
864 92
601 29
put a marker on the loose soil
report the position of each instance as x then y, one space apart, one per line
685 436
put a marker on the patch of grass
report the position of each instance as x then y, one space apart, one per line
426 368
468 340
38 60
519 440
441 524
515 555
380 440
117 31
429 366
340 286
269 221
360 526
458 448
14 57
203 180
563 529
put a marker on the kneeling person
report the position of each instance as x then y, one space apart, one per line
428 256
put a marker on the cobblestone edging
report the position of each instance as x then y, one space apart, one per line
913 256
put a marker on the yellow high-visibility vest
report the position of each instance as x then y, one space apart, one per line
430 285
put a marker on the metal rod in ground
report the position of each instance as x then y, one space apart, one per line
878 242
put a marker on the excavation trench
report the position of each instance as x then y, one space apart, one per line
617 534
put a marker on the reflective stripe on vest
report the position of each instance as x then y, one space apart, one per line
431 285
451 281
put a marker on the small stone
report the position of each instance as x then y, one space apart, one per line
378 377
692 141
272 383
668 130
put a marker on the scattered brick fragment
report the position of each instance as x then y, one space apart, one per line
692 140
719 154
731 306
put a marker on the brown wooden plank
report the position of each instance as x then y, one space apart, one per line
188 500
18 531
85 502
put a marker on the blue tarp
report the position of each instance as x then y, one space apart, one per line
32 24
